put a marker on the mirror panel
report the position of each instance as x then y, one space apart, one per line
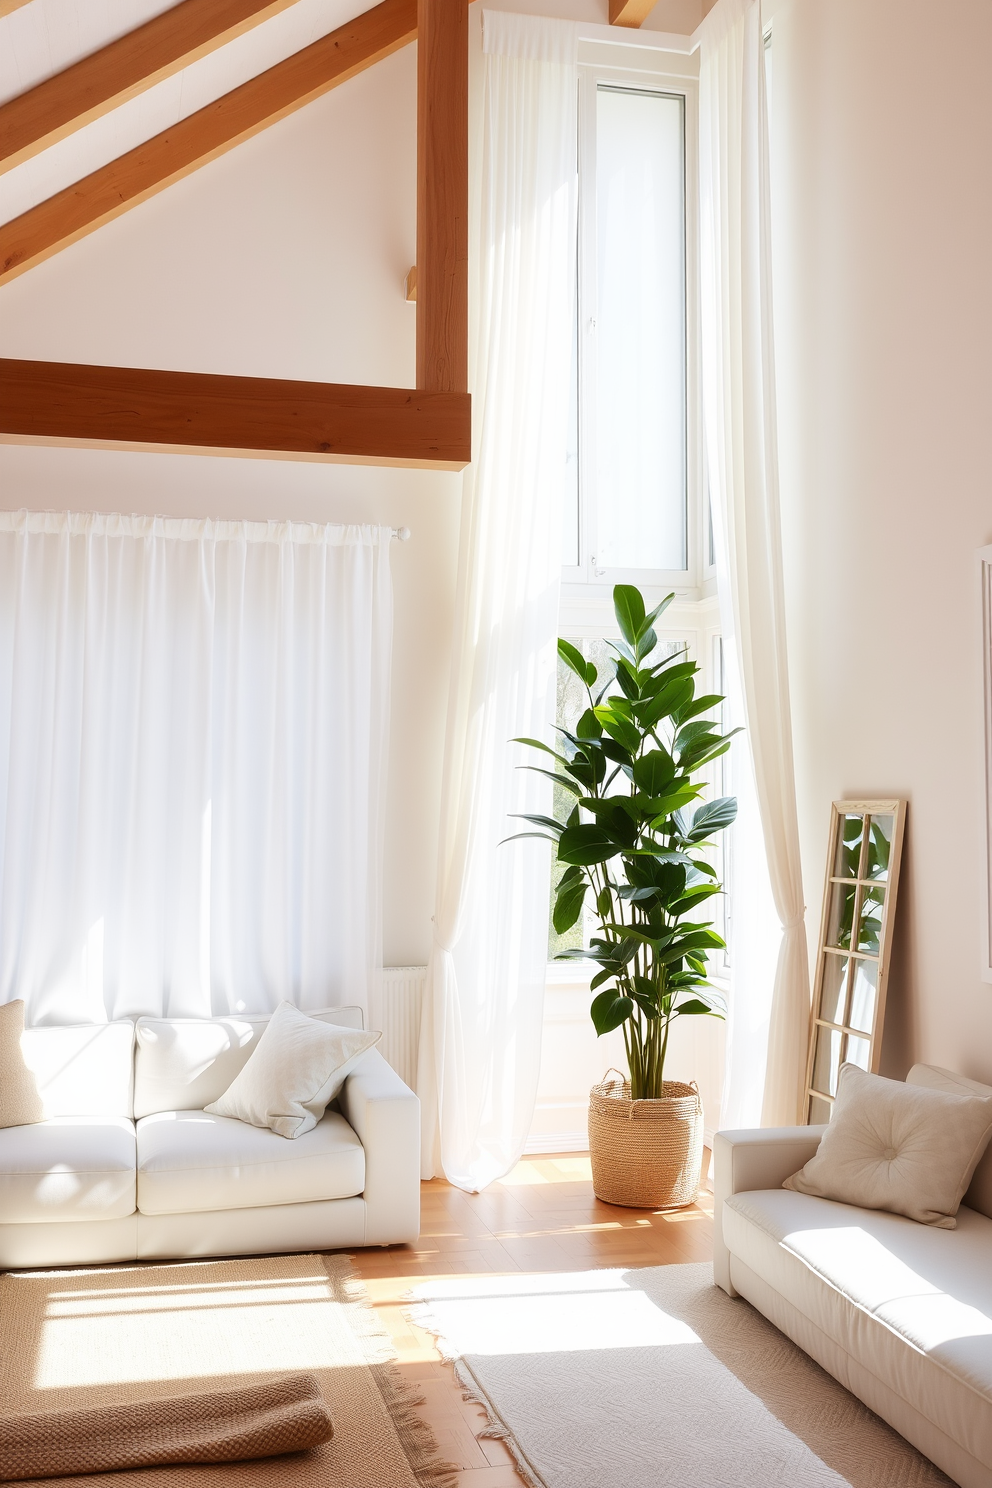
880 830
833 993
826 1060
864 992
870 920
841 915
858 1051
819 1111
848 854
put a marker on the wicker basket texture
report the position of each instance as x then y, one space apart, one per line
646 1154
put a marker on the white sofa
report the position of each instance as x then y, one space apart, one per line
899 1312
127 1164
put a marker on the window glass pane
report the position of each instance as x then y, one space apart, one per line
640 330
570 508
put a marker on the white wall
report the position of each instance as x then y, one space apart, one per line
882 139
285 258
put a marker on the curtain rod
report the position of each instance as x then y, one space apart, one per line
402 533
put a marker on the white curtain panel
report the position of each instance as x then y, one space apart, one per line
193 721
481 1036
769 1007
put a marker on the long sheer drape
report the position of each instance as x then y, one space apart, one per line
481 1036
770 979
192 737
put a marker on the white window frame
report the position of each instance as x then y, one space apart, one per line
665 73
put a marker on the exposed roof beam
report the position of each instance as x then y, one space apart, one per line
91 87
229 120
630 12
136 408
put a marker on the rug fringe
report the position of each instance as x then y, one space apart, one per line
400 1398
420 1314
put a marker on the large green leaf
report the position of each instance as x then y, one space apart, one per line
568 905
587 843
619 727
536 744
629 607
609 1010
539 821
588 726
573 658
712 817
654 772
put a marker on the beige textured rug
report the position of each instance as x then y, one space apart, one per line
75 1339
651 1378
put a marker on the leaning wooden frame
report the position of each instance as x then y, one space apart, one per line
852 960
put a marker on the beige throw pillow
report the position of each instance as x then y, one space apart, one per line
295 1070
20 1103
897 1147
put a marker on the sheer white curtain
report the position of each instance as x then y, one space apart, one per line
481 1036
770 977
192 735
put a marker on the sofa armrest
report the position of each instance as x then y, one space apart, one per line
385 1115
748 1160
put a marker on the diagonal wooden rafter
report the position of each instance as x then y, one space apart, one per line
201 137
121 70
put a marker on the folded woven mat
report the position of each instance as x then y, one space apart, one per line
264 1420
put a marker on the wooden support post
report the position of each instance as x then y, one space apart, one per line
442 195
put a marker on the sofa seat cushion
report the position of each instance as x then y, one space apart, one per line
192 1161
67 1168
910 1302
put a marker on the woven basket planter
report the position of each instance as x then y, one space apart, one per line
646 1154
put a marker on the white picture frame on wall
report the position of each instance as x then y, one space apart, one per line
985 566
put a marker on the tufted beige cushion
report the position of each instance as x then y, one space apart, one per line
20 1103
898 1147
295 1070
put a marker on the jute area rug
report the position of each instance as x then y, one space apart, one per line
77 1339
649 1378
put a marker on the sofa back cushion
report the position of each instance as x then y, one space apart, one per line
82 1071
183 1064
979 1195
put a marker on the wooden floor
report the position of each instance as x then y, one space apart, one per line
541 1217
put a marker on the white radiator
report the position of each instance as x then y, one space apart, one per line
402 996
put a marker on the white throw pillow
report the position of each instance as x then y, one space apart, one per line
898 1147
295 1070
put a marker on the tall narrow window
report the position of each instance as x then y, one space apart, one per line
640 329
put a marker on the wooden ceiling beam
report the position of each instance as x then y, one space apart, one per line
126 67
183 412
630 13
442 195
212 131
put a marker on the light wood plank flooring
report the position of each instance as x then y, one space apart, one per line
541 1217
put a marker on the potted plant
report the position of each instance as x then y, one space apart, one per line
635 854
